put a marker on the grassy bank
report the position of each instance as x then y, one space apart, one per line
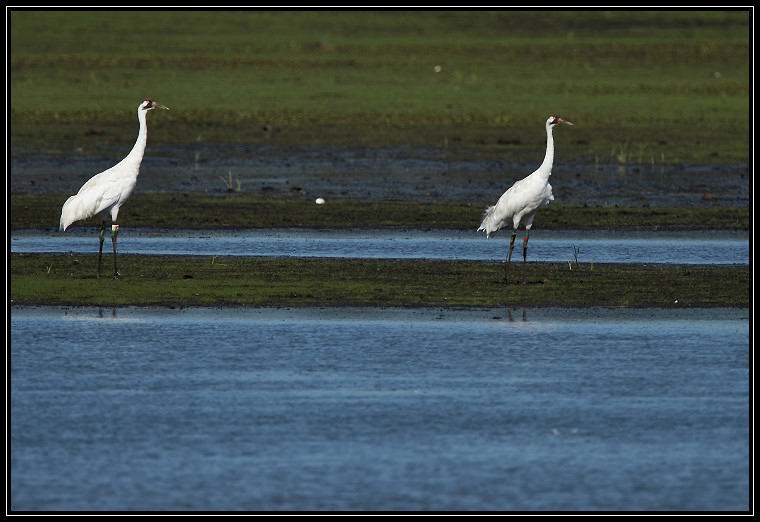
65 280
240 211
673 87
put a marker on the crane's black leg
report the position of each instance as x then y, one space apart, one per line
114 231
525 257
100 253
509 256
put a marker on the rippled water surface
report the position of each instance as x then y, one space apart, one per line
545 245
369 409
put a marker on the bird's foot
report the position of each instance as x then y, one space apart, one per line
116 275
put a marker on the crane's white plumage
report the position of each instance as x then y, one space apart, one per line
106 192
519 204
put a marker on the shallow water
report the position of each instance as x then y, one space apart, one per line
545 245
370 409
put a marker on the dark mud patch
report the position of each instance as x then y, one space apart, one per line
384 174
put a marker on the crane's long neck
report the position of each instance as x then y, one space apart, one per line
546 166
136 154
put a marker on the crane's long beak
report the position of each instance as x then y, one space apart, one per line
162 107
564 121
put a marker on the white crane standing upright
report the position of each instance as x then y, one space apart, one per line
519 204
106 192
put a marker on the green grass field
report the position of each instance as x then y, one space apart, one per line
674 86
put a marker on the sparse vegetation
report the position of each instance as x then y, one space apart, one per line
232 185
236 281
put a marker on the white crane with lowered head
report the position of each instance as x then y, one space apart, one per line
106 192
519 204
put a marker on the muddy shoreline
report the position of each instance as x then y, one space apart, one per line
384 174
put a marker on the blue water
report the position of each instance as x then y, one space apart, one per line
369 409
685 247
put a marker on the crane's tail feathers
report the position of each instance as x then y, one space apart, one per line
488 226
74 210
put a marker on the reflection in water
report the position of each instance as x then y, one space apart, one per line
113 313
524 316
